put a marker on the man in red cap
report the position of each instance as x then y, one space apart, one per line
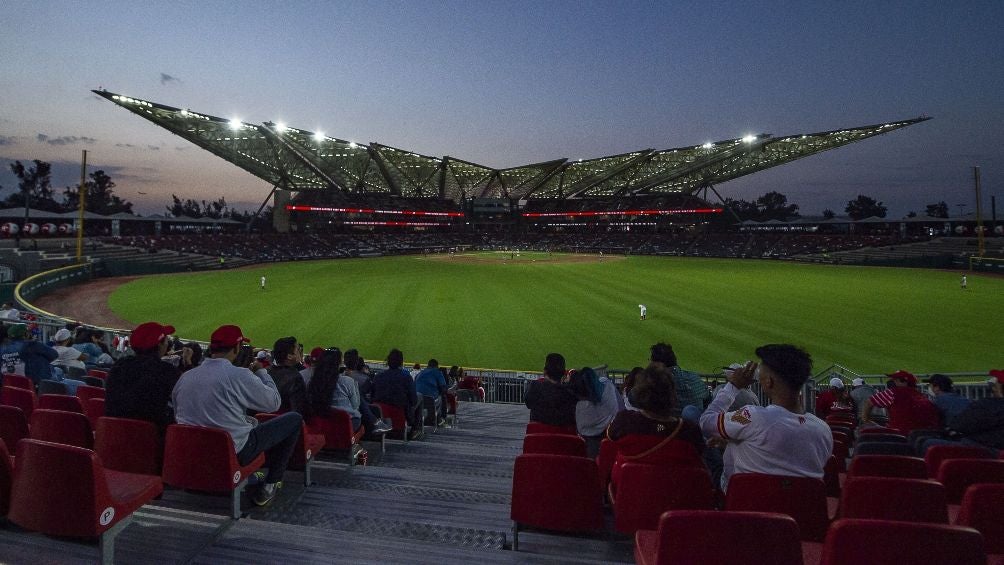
909 409
139 387
218 394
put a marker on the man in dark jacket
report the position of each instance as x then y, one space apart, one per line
396 387
551 402
982 423
22 355
287 357
139 387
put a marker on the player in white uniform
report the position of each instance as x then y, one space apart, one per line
779 439
963 282
263 282
643 311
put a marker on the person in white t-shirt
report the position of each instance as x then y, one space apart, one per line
778 439
643 310
68 356
263 282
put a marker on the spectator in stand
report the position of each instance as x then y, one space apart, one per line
330 390
908 408
629 381
194 359
395 386
981 424
219 394
862 391
89 341
950 403
468 382
779 439
139 387
415 370
310 363
550 401
22 355
430 383
70 358
354 368
835 399
691 390
8 312
287 355
596 406
652 433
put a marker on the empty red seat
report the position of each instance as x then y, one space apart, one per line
841 451
13 426
63 490
719 538
19 397
605 461
887 466
802 498
891 438
884 448
539 428
555 492
130 446
58 426
94 408
646 491
18 381
85 393
981 509
888 498
204 459
396 415
307 446
878 430
6 478
336 428
958 474
888 542
938 453
840 436
98 373
556 444
831 476
62 402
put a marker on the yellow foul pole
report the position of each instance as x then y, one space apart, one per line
80 216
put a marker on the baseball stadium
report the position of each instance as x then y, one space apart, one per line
493 271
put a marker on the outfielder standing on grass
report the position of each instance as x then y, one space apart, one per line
644 311
263 282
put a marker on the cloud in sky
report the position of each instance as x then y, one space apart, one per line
7 140
64 139
166 79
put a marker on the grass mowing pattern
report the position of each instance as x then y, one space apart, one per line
482 311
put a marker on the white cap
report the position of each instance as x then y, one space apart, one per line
262 355
836 383
858 381
62 335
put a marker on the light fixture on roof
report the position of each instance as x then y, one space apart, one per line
280 127
235 124
749 138
319 136
352 144
708 145
184 112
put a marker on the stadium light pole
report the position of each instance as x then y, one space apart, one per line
980 243
80 213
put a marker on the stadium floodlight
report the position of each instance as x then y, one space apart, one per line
749 138
235 124
280 127
352 145
184 112
708 145
319 136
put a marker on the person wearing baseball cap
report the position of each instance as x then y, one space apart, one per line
860 393
219 394
22 355
70 358
833 399
950 403
982 423
139 386
909 409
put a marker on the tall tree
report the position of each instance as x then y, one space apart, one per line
865 207
774 206
35 183
99 196
829 214
939 210
187 207
744 209
216 209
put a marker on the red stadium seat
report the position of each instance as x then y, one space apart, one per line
13 426
51 387
338 434
85 393
18 381
19 397
802 498
883 448
556 444
555 492
887 542
397 417
539 428
842 419
890 438
841 436
936 454
62 402
841 451
888 498
888 466
958 474
981 509
877 430
646 491
58 426
130 446
96 502
98 373
719 538
605 461
204 459
307 446
831 476
6 478
94 408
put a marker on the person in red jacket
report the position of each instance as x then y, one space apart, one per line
909 409
835 399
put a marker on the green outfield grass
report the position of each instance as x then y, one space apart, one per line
489 311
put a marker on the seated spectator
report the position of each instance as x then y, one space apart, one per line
310 362
652 433
328 389
467 382
430 383
89 341
596 406
982 422
779 439
22 355
629 381
285 371
691 390
70 358
862 391
550 401
834 399
8 312
139 387
219 394
354 368
415 370
949 403
395 386
908 408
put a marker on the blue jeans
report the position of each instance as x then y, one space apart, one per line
275 438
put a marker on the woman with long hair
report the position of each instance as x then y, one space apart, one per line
596 406
329 389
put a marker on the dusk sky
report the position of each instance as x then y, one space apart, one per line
509 83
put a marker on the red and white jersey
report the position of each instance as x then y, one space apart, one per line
767 439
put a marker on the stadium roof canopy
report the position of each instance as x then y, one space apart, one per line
296 159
